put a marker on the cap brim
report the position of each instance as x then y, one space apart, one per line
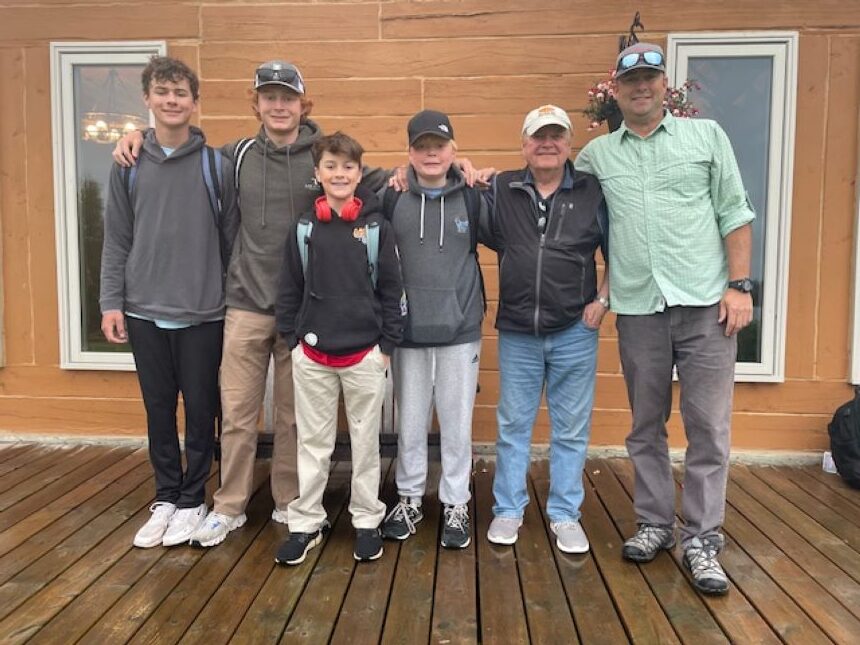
435 133
622 72
542 122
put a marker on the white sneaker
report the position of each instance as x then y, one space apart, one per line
151 533
183 525
569 536
279 516
504 530
215 528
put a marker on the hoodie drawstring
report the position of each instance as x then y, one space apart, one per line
265 158
421 233
441 220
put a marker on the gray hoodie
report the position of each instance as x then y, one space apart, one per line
276 185
161 257
440 274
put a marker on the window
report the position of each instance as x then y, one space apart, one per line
748 85
95 97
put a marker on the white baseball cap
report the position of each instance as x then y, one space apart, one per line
543 116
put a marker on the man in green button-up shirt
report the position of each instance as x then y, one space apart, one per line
679 221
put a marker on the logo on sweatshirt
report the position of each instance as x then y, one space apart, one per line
462 225
360 234
313 185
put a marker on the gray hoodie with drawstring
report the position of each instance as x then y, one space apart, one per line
440 273
163 244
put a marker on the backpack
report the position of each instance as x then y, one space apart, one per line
303 236
242 147
210 162
844 431
473 211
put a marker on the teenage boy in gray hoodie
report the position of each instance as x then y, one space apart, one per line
437 363
162 290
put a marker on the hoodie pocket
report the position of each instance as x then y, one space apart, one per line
435 315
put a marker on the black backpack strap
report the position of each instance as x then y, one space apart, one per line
389 202
472 197
242 147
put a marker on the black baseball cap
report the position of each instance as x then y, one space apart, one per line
429 122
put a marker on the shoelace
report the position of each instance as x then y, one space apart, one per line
457 517
215 519
401 512
160 507
648 538
703 561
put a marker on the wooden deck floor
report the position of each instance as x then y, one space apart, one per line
68 572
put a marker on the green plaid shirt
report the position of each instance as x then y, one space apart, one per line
672 196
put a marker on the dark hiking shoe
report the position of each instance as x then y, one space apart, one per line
648 541
700 559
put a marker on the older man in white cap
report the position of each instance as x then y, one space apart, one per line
547 222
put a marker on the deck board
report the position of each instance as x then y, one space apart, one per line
68 572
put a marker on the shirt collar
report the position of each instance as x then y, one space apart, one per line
668 124
566 181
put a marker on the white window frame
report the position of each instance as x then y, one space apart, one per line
854 375
64 56
782 48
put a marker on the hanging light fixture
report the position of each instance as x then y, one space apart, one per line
108 125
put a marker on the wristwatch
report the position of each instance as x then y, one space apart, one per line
744 285
603 301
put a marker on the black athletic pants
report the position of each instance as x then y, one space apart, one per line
170 361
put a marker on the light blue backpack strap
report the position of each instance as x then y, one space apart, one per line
130 175
373 251
211 159
303 234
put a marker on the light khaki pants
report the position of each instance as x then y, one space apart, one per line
249 340
317 388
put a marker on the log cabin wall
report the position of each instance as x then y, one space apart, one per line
369 66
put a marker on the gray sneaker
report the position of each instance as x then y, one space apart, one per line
455 531
700 559
569 536
504 530
648 541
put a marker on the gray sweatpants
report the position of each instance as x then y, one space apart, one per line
691 339
444 377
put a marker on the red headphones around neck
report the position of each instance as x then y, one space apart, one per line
349 212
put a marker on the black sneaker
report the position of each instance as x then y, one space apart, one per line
455 532
700 559
648 541
294 550
368 544
400 523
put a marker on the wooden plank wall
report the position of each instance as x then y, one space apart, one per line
369 66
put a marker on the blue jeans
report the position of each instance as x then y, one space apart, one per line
567 362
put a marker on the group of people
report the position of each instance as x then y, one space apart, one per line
286 247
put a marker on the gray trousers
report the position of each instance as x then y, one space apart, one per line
444 378
690 339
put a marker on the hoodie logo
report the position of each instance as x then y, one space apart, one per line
360 234
462 225
313 185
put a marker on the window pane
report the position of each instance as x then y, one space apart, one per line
736 92
107 101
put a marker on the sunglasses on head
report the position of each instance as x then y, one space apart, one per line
651 58
290 76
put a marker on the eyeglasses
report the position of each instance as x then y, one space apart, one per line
630 60
285 75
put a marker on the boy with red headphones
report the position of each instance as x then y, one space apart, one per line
342 312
